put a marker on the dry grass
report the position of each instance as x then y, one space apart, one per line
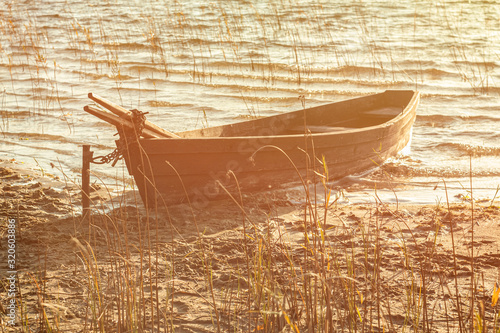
318 273
320 267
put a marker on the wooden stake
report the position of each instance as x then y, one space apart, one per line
87 157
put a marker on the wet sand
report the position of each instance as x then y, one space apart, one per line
169 255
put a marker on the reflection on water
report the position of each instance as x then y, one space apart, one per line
205 64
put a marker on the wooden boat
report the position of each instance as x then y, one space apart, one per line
315 144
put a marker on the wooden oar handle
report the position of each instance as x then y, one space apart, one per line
126 114
117 121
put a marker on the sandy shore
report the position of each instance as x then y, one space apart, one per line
198 270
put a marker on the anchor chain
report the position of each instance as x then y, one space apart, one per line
114 157
139 120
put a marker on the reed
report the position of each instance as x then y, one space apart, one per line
128 260
225 51
325 271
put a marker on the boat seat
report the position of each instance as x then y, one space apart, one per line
317 129
389 112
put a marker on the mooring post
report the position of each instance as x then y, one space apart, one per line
87 157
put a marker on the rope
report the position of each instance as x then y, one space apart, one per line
139 121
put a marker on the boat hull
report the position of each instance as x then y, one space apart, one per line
206 164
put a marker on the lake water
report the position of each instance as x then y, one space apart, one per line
193 64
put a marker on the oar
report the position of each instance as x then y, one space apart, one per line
117 121
126 114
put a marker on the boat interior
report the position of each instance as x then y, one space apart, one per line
350 114
360 120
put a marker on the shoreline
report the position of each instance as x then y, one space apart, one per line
392 186
54 244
